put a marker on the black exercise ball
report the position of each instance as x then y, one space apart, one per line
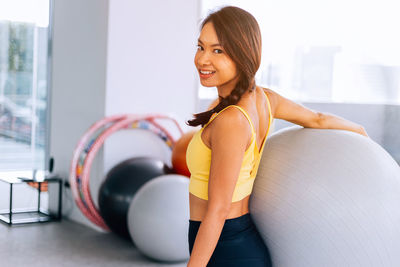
119 187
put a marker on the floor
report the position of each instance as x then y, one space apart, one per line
67 243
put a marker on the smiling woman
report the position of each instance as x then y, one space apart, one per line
223 61
223 156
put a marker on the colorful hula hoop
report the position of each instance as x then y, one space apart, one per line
87 149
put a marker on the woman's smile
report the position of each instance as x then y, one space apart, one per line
206 74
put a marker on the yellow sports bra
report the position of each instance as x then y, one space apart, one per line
198 159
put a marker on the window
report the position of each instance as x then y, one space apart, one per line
325 51
23 83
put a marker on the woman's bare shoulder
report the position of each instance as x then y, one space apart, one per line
273 98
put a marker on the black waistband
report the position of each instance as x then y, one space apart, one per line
242 218
232 226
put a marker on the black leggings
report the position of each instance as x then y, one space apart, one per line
240 244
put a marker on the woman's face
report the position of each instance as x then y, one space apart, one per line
215 67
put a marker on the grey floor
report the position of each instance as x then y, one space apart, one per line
67 243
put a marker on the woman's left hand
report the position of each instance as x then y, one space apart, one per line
363 132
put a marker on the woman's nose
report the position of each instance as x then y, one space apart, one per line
203 59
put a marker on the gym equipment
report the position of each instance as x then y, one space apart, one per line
158 218
326 197
178 157
119 187
88 147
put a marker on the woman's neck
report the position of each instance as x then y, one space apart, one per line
225 89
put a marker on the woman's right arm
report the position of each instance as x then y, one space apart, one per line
291 111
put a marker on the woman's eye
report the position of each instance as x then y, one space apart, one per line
199 47
218 51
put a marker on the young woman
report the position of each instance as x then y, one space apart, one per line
223 155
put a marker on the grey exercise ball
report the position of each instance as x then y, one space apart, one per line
326 197
158 218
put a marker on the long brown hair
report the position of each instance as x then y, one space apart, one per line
239 34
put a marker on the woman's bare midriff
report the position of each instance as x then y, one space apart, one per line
198 208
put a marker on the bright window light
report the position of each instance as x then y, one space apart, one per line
36 11
326 51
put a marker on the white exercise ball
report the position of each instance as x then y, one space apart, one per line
158 218
326 197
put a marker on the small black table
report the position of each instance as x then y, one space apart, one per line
30 215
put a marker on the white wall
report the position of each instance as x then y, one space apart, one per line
151 45
150 69
78 85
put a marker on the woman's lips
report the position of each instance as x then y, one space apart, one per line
206 74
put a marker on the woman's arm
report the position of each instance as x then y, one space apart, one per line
288 110
229 137
330 121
